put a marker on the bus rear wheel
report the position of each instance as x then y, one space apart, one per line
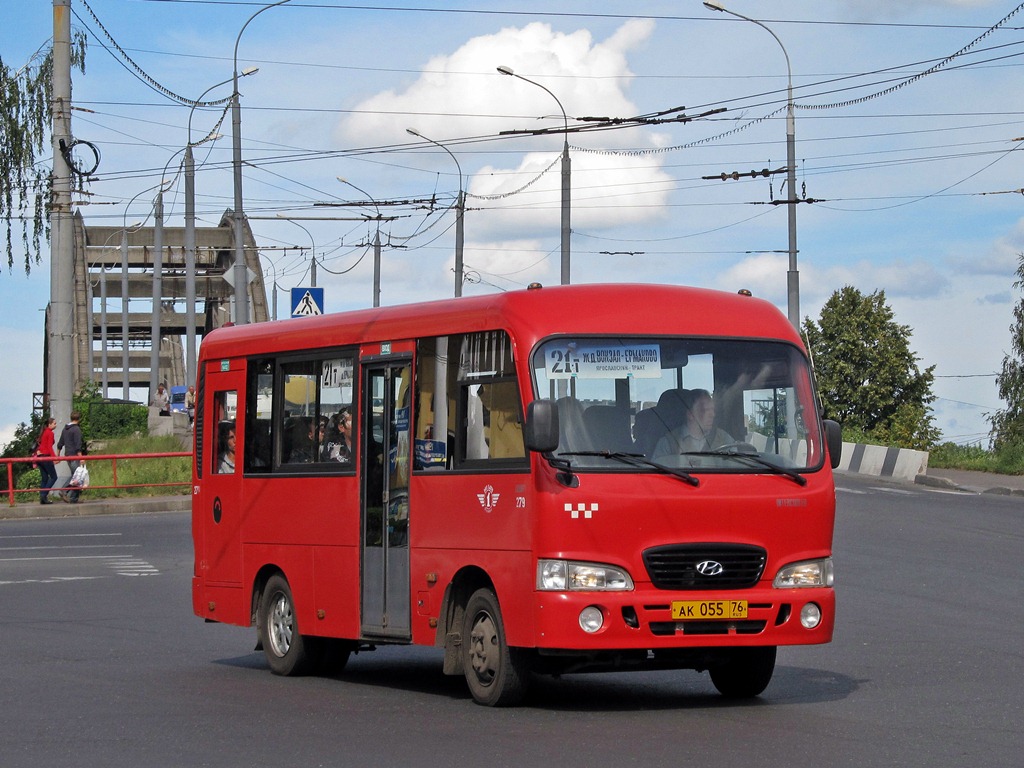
288 652
496 674
746 674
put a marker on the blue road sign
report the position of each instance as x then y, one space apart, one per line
307 302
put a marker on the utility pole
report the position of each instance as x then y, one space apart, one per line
60 342
158 270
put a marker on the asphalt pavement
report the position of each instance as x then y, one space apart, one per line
951 479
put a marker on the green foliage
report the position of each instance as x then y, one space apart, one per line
20 446
25 119
151 474
868 377
1008 424
100 421
1008 460
103 420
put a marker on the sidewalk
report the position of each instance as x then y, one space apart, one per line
973 482
952 479
87 506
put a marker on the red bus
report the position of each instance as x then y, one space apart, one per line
546 481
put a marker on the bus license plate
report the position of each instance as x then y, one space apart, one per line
683 610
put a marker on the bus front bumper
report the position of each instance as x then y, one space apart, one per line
656 619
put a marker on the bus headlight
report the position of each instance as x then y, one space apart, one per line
567 575
809 573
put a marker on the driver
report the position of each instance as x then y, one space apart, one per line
698 432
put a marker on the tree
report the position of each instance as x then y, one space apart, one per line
25 121
1008 424
868 378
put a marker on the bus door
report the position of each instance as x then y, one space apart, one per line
386 431
222 440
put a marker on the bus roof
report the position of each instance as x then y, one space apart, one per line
527 314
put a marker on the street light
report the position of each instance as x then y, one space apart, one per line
240 272
566 175
793 275
312 266
376 241
460 211
190 231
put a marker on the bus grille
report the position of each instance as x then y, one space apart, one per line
675 566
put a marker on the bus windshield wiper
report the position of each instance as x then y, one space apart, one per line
735 452
637 460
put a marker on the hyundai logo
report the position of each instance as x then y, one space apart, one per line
710 568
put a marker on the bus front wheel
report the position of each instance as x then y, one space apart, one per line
288 652
746 674
496 674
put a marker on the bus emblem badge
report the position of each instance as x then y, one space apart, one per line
488 499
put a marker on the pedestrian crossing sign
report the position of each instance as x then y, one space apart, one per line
307 302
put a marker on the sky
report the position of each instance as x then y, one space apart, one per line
905 120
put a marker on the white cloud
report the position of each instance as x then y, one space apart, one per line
458 92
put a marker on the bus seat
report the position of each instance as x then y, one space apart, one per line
573 434
608 427
652 424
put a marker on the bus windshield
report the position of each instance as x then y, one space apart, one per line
698 404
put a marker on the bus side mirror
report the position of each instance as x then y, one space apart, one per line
834 440
541 430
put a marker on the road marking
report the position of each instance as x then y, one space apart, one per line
71 546
134 568
52 580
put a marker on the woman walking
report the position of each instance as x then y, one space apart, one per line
45 456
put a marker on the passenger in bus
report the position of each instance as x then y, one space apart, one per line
304 447
698 433
338 442
226 448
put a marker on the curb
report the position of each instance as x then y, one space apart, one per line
945 482
132 506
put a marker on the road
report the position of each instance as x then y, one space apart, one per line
106 666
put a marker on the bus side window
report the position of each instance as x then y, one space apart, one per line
259 439
225 406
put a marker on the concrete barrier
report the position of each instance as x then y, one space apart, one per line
878 460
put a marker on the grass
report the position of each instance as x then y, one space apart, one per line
1006 461
149 474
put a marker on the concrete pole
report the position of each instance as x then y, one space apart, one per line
460 238
60 339
190 266
158 268
793 274
125 369
460 211
566 205
566 175
105 377
240 270
238 217
376 269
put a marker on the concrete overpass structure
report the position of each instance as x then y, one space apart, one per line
102 267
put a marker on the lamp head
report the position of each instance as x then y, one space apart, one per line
506 70
248 71
414 132
713 5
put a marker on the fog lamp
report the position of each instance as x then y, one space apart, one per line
810 615
591 619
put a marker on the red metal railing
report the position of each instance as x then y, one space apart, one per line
113 458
